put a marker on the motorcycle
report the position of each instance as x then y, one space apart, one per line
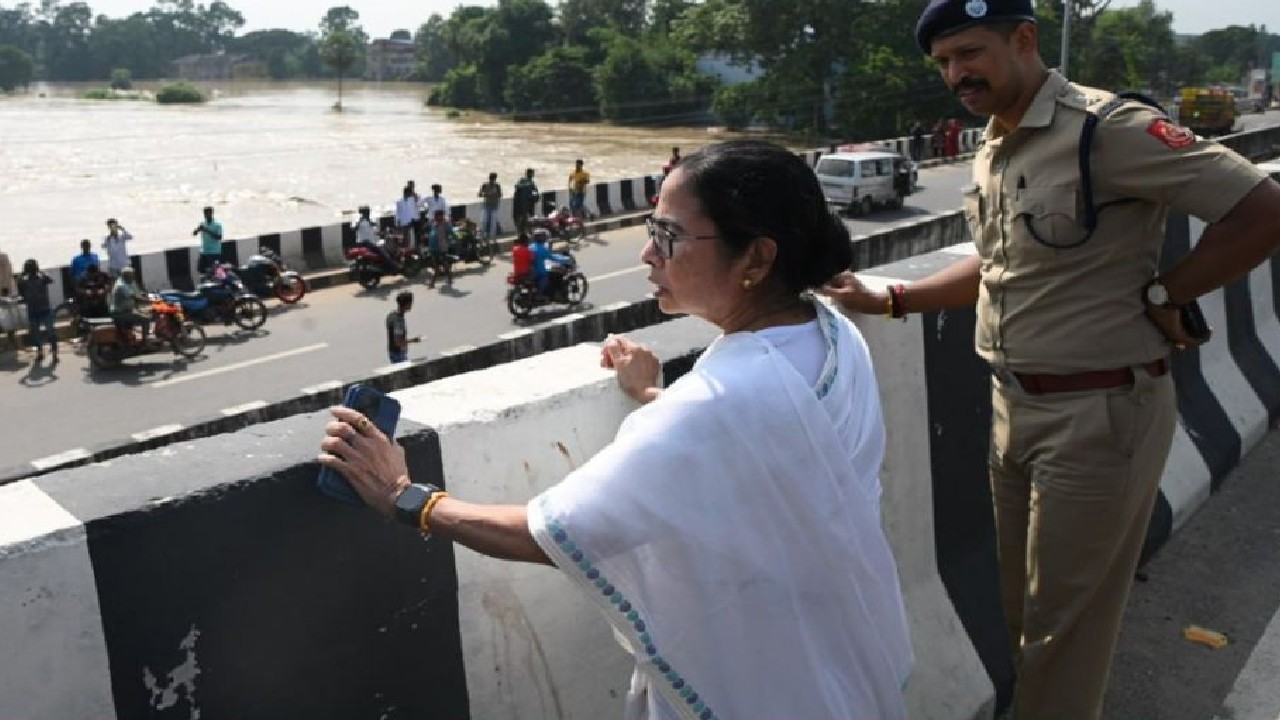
109 345
566 286
563 226
367 264
470 247
223 298
79 309
266 274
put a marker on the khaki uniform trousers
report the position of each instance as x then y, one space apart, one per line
1074 476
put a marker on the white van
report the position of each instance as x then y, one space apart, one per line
862 180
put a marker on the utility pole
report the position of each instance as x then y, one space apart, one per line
1066 37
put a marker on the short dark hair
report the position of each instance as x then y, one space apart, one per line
85 242
112 221
404 298
752 189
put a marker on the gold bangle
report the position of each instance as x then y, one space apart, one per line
888 307
426 510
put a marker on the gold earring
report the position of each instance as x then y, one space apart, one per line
748 283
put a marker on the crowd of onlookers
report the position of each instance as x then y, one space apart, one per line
944 140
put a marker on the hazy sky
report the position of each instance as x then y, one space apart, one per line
380 17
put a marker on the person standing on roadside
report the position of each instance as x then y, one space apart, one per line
407 213
33 286
210 232
917 140
80 263
398 339
8 289
523 200
579 179
116 243
1077 324
434 203
491 193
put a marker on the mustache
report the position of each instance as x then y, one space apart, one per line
969 84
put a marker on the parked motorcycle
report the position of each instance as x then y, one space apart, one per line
470 246
566 286
109 346
563 226
266 274
221 299
368 264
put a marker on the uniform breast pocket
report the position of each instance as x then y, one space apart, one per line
1049 216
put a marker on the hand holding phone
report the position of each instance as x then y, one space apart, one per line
384 412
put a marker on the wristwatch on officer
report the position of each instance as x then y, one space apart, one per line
1157 294
411 501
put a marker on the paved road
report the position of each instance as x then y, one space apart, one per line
1221 571
334 334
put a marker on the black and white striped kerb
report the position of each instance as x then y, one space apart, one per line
228 587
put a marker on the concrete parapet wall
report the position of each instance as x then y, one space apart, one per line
209 575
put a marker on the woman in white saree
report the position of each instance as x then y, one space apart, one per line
731 531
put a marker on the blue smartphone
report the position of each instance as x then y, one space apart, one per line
384 412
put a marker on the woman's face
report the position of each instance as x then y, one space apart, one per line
699 278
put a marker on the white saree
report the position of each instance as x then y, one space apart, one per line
731 535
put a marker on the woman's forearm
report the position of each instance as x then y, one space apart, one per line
500 531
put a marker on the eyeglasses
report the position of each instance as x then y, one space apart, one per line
664 237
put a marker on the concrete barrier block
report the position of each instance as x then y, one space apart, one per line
534 645
55 650
949 680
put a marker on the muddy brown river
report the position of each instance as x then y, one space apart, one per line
270 157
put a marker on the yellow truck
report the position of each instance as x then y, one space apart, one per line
1207 111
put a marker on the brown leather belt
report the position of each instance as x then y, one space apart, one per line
1043 383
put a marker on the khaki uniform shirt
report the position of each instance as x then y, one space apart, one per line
1072 309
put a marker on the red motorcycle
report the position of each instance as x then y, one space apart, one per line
563 226
368 263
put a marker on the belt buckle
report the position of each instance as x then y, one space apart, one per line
1006 377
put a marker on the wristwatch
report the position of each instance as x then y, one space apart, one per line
1156 294
411 501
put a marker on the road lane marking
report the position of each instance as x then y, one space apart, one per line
618 273
245 408
63 458
323 388
240 365
159 432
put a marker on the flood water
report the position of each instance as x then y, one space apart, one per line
270 157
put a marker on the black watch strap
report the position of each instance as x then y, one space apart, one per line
411 501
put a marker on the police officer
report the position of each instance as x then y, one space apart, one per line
1076 325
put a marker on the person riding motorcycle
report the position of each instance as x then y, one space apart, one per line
125 297
521 259
546 263
367 235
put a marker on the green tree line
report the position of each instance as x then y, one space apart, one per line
846 68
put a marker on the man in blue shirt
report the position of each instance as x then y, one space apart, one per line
80 263
210 232
542 255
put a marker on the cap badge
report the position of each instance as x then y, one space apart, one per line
976 8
